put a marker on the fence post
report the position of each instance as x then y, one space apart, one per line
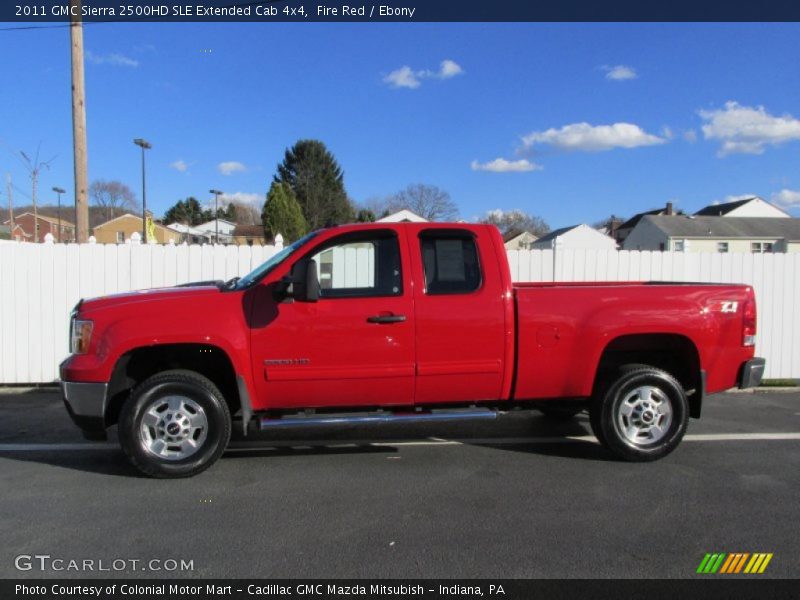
279 242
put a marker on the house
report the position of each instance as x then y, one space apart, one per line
747 207
218 227
403 216
575 237
623 231
715 234
248 235
515 239
190 235
63 230
120 229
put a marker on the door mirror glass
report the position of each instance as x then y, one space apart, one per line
302 283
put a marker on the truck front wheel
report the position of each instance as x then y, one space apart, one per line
641 415
175 424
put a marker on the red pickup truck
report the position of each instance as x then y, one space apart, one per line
396 322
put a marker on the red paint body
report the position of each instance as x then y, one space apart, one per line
502 342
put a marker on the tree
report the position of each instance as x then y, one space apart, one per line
317 181
282 214
428 201
189 212
243 214
516 220
365 215
114 197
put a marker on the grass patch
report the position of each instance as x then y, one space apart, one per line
779 383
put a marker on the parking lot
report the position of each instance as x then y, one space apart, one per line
519 497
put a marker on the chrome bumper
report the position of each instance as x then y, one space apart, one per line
86 404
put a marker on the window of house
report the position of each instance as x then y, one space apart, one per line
360 265
761 247
679 245
722 246
767 247
120 237
661 246
450 260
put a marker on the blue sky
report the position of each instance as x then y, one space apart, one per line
587 120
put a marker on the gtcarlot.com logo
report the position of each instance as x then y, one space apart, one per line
735 563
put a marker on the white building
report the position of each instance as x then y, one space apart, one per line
403 216
519 240
225 230
746 207
191 235
715 234
575 237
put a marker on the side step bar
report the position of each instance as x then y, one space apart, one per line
367 418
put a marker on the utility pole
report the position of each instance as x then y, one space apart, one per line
216 211
144 145
79 125
59 191
10 203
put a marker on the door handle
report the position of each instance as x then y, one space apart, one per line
384 319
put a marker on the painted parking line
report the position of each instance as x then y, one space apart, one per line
260 445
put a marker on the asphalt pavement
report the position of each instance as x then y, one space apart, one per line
519 497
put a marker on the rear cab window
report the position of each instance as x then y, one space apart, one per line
450 262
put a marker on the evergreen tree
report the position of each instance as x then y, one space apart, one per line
188 212
317 181
282 214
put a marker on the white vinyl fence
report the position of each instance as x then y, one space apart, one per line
40 283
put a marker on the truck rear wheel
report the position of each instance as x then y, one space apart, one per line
641 415
175 424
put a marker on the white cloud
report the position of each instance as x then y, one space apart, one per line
690 135
589 138
666 132
248 198
115 59
787 198
406 77
501 165
403 77
230 167
449 68
747 130
179 165
620 72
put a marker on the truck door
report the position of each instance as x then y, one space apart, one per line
460 316
355 345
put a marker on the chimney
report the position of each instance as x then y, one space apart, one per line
669 212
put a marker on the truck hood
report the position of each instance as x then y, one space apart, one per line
148 296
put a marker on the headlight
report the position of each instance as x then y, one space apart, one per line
80 334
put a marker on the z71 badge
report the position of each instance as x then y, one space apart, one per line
729 306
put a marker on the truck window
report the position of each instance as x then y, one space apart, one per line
450 260
357 266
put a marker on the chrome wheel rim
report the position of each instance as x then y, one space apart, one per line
644 416
173 428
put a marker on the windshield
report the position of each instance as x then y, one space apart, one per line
263 269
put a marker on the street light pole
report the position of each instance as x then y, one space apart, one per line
216 211
59 191
144 145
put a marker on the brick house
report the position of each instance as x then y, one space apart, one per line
24 231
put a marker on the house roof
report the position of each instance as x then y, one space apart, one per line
126 215
549 237
403 215
721 209
634 220
181 228
513 234
716 227
41 217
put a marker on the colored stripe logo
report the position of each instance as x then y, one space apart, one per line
735 563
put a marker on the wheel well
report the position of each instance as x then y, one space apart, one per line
135 366
675 354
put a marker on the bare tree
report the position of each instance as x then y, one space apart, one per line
246 214
516 220
113 196
428 201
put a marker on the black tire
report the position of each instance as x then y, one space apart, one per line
195 393
559 411
641 414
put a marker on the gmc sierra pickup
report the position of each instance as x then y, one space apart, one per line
393 322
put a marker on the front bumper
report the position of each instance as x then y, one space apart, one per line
86 404
751 373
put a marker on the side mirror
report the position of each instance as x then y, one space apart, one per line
302 283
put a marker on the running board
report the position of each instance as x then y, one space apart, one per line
368 418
